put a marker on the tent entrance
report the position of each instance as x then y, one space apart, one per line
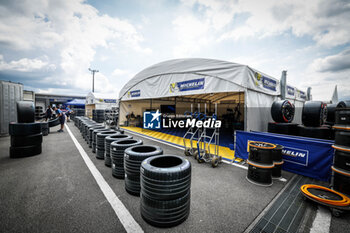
230 110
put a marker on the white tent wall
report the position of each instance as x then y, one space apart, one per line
101 100
258 110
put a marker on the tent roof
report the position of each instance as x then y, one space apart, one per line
102 95
232 72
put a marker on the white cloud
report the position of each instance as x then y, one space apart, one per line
26 65
68 32
326 21
324 73
333 63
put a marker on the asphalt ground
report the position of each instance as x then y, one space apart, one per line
55 192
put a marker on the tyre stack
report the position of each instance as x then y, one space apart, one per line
165 190
85 130
314 116
341 165
261 163
26 135
282 112
277 161
45 129
108 141
98 115
94 141
39 113
100 143
132 162
90 133
77 112
117 155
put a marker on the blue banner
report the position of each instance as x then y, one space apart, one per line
193 84
269 83
290 90
305 156
136 93
110 101
302 95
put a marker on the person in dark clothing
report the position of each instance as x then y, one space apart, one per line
61 116
48 113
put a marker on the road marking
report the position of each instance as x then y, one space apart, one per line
122 213
322 222
180 147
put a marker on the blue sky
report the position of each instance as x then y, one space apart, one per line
49 45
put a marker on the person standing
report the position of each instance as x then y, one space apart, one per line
48 113
68 112
62 118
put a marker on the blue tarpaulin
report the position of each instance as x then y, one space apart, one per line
76 102
305 156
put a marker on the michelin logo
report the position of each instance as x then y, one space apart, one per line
189 85
136 93
295 155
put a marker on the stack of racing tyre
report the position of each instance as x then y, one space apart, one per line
314 116
45 129
165 190
261 162
132 163
39 113
26 135
282 112
108 141
341 165
117 155
77 112
98 115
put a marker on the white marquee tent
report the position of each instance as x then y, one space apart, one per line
210 81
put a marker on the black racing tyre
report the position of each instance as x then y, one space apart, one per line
342 138
165 190
100 143
30 140
341 181
120 131
54 122
133 158
25 151
165 177
45 128
166 213
282 111
24 129
277 171
25 112
322 132
259 175
261 152
108 141
117 155
342 116
90 133
283 128
94 133
344 104
330 120
342 160
314 113
277 153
